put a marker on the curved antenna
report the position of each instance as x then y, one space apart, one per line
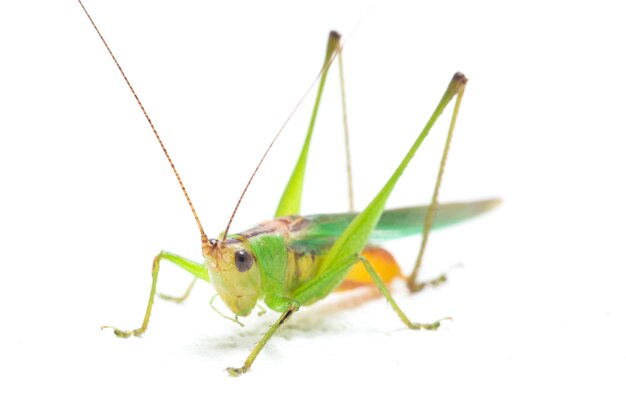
306 93
132 90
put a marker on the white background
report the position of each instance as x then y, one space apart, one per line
87 200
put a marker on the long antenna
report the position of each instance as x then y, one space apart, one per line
306 93
132 90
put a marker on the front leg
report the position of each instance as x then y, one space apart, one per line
255 352
197 269
181 298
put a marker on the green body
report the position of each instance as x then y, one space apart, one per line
289 251
341 239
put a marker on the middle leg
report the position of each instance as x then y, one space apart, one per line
383 289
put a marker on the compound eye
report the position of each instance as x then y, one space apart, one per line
243 260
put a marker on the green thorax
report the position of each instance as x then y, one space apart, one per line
283 264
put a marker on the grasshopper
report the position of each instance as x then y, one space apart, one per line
294 260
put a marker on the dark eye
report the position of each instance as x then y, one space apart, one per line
243 260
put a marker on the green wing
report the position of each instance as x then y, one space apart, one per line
324 229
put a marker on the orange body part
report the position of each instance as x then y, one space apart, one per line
381 260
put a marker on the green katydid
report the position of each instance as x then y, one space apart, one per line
295 260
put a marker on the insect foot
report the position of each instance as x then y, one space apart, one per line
125 334
237 371
428 326
419 286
